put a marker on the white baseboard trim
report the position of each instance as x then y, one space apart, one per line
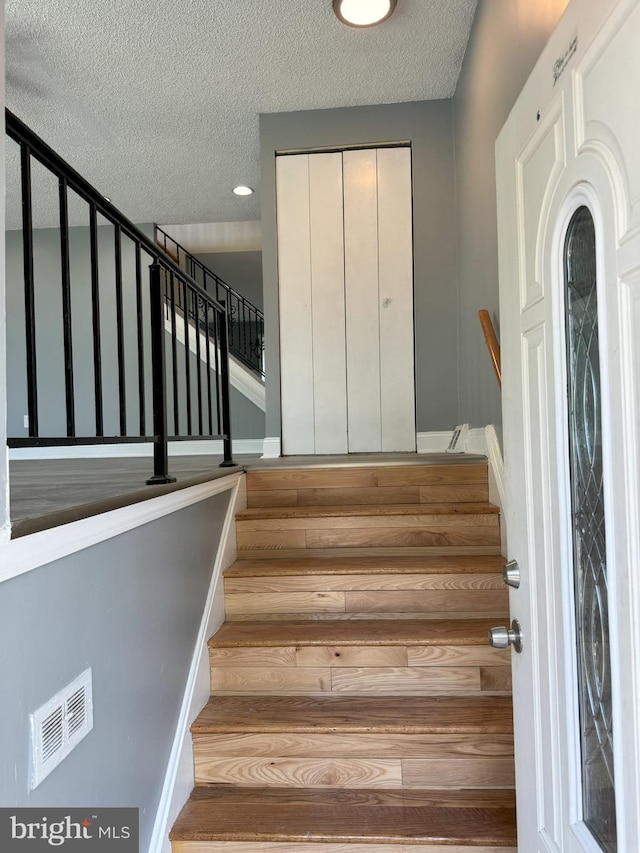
118 451
437 442
21 555
433 442
271 448
476 441
496 467
496 481
179 777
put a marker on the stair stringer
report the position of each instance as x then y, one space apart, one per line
240 378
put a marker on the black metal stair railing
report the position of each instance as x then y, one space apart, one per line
245 321
176 345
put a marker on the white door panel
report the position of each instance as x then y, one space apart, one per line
362 298
395 271
296 327
327 292
569 145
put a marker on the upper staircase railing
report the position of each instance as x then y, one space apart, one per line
492 342
145 344
245 321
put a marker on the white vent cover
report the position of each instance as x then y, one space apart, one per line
458 443
59 725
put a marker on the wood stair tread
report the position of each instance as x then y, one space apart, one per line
285 512
355 632
332 565
352 714
224 813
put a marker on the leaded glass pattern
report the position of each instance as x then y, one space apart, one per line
589 535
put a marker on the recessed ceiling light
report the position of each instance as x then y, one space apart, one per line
242 190
363 13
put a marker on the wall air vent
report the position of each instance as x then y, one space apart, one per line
458 443
59 725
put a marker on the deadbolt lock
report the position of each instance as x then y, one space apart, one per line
511 574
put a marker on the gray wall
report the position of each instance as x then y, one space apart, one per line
49 341
428 126
240 270
131 609
247 419
506 39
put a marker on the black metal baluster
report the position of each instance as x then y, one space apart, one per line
227 460
207 343
122 397
174 358
95 321
29 291
140 337
161 442
196 302
65 277
245 343
187 355
216 350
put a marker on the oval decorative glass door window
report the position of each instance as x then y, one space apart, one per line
589 532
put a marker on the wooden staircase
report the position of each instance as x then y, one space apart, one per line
356 706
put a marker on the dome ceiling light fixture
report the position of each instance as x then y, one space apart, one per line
242 190
363 13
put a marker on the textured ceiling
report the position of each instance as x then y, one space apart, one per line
157 103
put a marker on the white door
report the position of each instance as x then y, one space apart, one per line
345 269
568 164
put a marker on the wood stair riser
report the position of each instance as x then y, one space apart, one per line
383 670
387 774
434 587
367 531
375 485
355 760
413 601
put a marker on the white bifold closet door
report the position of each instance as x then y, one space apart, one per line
345 269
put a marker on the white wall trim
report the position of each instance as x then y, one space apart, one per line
21 555
437 442
117 451
496 466
271 448
247 384
476 441
496 480
179 778
433 442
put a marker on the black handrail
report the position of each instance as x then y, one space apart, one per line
247 347
172 292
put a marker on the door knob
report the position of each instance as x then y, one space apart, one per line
502 638
511 574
